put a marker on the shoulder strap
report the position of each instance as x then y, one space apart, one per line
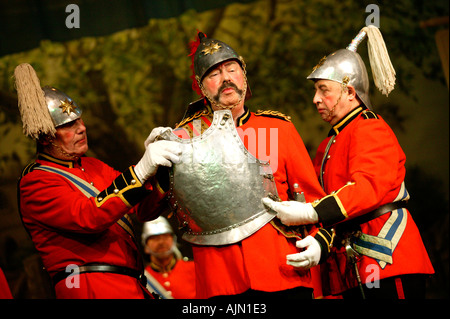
274 114
29 168
367 114
89 191
86 188
155 287
193 117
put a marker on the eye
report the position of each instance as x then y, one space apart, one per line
323 90
213 74
68 125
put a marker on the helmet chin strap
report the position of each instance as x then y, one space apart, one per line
59 149
331 112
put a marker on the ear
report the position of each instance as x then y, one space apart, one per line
351 92
45 140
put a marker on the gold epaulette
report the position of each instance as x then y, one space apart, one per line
191 118
29 168
274 114
367 114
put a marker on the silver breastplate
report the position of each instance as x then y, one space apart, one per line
216 189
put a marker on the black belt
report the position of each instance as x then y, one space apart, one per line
383 209
101 268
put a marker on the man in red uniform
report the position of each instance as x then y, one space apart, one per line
168 274
76 208
361 166
257 264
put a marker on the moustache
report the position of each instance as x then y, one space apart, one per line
226 85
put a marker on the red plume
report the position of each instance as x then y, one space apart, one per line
193 45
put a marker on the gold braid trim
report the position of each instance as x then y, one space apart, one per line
193 117
367 114
275 114
287 231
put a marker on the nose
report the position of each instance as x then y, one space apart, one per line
81 128
317 98
226 76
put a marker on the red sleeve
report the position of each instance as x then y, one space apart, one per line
299 167
373 167
371 177
300 170
53 202
154 203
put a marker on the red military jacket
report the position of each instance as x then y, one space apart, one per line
178 279
68 228
259 261
362 167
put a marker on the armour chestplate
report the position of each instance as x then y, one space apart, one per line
216 189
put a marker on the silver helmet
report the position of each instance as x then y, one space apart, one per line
42 110
211 52
61 107
346 66
158 226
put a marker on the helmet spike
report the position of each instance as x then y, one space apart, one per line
357 40
201 36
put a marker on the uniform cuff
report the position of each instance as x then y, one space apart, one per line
330 210
127 187
325 240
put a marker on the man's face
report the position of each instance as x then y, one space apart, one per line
331 100
72 139
159 244
225 83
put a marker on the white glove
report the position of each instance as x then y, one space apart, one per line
157 153
292 212
308 258
155 133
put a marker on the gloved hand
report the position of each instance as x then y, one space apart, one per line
292 212
308 258
157 153
155 133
